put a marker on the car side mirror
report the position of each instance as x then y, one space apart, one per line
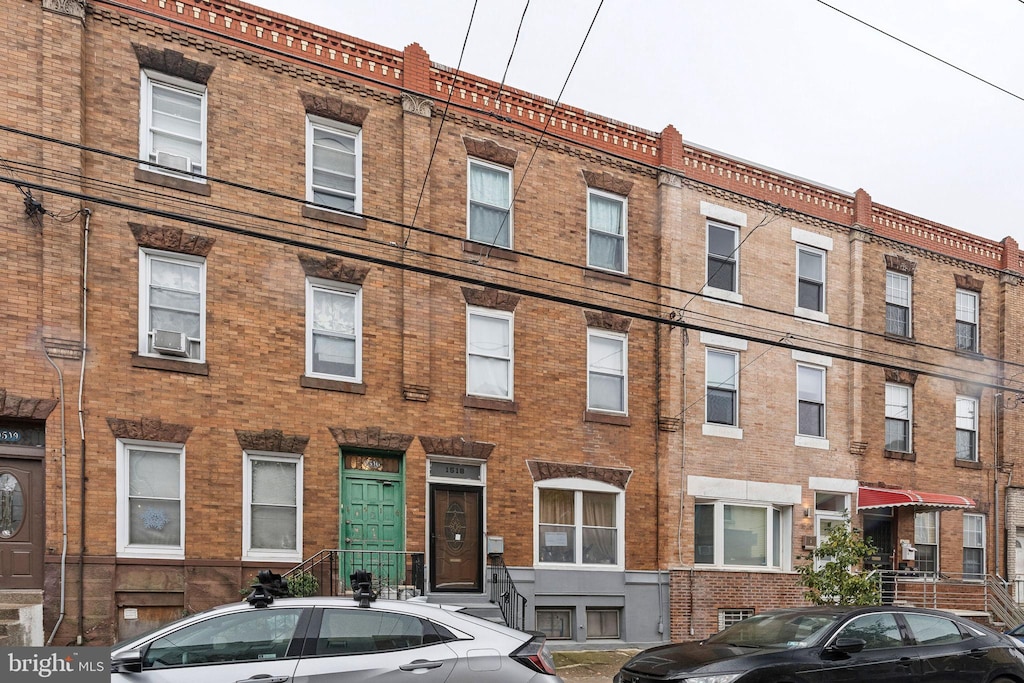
127 662
847 646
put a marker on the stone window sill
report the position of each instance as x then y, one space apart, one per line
332 385
347 220
900 455
164 180
607 418
170 364
482 249
498 404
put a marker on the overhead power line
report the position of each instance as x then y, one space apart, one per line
924 52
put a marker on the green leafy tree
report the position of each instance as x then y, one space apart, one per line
834 573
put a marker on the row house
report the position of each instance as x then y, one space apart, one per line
279 294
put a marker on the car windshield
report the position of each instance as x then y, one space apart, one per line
785 630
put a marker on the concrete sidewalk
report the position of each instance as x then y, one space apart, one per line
590 666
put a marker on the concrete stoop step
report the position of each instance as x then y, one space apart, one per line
477 605
21 618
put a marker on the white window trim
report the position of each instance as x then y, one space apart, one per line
509 317
822 315
248 553
910 415
711 292
910 299
784 543
974 321
124 547
145 257
469 200
810 440
580 485
977 416
345 129
148 78
812 239
624 338
723 214
743 490
625 230
938 536
984 541
313 284
722 341
728 431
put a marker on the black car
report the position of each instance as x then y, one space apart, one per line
837 645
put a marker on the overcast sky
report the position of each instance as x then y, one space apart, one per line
792 85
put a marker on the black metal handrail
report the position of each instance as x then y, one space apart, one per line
395 574
504 593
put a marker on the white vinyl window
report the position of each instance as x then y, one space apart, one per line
172 305
150 483
489 353
742 534
974 546
334 330
579 522
272 516
490 204
810 401
966 320
897 304
172 127
966 428
898 414
723 257
606 371
722 381
810 283
333 165
606 231
926 541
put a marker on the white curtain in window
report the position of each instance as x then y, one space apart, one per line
274 513
606 243
489 203
557 531
154 495
607 374
176 123
489 356
174 296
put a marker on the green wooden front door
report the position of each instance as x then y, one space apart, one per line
372 517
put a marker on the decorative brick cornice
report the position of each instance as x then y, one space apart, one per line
25 408
330 268
608 321
149 429
371 437
272 440
171 239
900 264
488 150
456 446
172 63
969 282
491 298
334 108
615 476
900 376
608 182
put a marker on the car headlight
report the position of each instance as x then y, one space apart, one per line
714 678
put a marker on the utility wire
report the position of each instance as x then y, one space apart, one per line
543 132
924 52
440 127
513 288
305 228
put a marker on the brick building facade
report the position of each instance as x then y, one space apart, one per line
268 299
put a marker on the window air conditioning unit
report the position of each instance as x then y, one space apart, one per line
175 161
170 343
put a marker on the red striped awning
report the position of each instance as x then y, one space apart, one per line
871 498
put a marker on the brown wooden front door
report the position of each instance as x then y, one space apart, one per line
21 523
456 539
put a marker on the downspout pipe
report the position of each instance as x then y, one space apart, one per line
81 430
64 499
